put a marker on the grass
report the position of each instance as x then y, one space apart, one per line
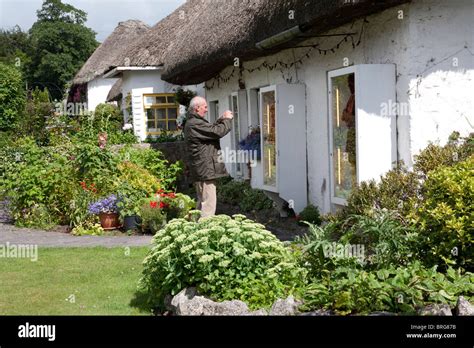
72 281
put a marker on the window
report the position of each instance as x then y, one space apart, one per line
343 135
161 113
234 105
363 143
269 141
213 111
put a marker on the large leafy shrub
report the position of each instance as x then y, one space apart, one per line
37 112
242 194
107 118
225 258
386 240
12 96
154 162
445 216
38 183
395 289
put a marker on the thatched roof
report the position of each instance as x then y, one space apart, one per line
110 50
115 92
149 50
217 31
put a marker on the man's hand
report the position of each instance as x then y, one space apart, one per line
228 115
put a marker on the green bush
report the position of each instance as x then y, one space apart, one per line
397 191
107 118
37 112
395 289
386 240
445 216
12 96
38 183
310 214
224 258
320 251
155 163
434 156
242 194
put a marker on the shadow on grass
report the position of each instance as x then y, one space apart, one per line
141 301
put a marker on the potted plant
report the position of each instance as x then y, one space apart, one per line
153 216
107 210
129 204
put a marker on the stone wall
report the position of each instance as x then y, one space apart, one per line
173 152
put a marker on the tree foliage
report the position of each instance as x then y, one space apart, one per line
62 44
12 96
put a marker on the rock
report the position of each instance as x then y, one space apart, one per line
187 302
285 307
259 312
463 307
436 309
381 314
318 313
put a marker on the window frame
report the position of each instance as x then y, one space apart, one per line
331 75
160 106
262 91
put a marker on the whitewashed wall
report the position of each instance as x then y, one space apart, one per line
146 82
97 91
423 45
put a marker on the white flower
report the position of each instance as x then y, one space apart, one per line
127 126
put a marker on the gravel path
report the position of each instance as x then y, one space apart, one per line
16 235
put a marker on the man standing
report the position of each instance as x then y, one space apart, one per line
202 142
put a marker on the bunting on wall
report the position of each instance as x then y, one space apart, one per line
311 49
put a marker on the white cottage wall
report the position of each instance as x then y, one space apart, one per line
146 82
97 91
422 39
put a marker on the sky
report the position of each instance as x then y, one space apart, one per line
102 15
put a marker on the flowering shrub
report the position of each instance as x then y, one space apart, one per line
106 205
225 258
164 206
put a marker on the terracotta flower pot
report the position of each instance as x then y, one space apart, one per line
109 221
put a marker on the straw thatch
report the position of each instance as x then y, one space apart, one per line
148 51
216 31
115 93
108 53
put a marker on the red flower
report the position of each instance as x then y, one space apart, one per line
163 205
154 204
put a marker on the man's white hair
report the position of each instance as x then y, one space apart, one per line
195 102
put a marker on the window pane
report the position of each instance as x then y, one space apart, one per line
161 100
172 126
150 114
172 113
161 125
149 100
171 99
344 135
269 139
161 114
151 126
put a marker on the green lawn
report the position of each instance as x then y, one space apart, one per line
102 281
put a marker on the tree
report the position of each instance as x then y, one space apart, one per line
16 48
12 96
62 44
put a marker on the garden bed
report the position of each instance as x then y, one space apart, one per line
284 228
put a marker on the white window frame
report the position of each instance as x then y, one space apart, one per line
236 125
260 98
331 74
